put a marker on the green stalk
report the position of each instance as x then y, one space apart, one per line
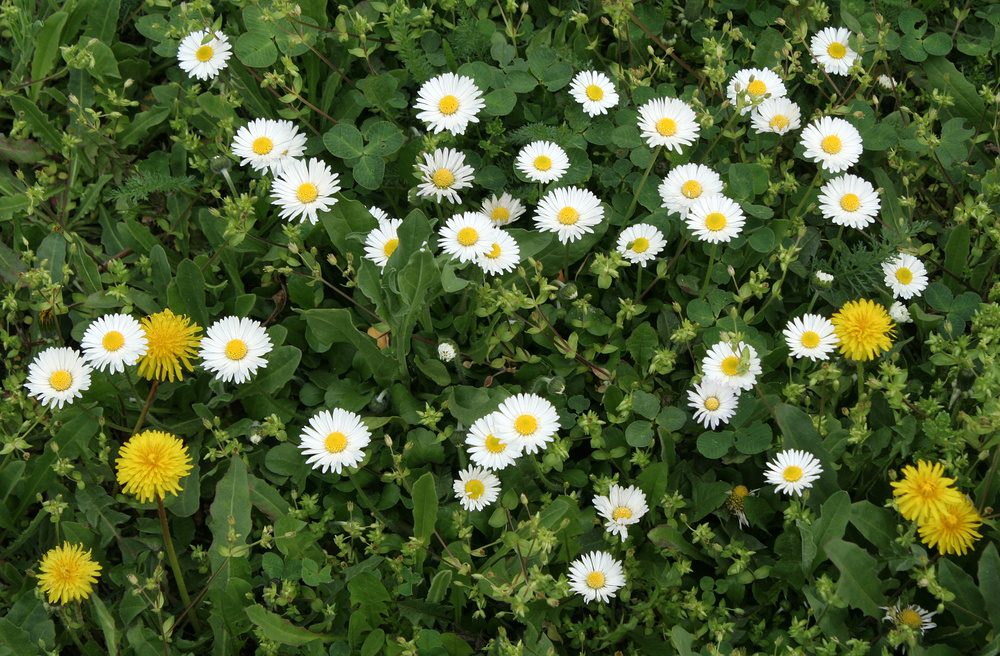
642 183
861 380
708 276
836 245
145 408
174 565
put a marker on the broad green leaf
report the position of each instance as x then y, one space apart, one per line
741 181
282 363
682 640
639 434
383 138
255 50
668 537
425 503
714 445
439 586
277 628
231 504
111 633
369 171
645 404
830 525
344 140
947 79
499 102
989 583
938 43
968 607
337 326
187 293
859 584
878 525
102 21
753 439
39 123
47 43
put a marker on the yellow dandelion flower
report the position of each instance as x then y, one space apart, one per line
953 530
864 329
172 339
151 464
924 492
68 573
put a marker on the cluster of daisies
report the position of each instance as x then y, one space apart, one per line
161 346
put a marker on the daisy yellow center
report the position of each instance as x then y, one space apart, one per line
691 189
792 473
468 236
448 105
910 618
712 403
443 178
831 145
779 122
500 214
730 365
666 127
390 246
474 489
112 340
543 163
262 145
757 88
810 339
307 192
61 380
621 512
640 245
595 92
335 442
236 349
904 276
494 445
595 580
568 216
525 425
715 221
850 202
494 253
836 50
204 53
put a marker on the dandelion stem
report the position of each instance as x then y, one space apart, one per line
145 408
708 276
642 183
861 380
172 556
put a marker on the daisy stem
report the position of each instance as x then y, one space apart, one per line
708 276
638 283
836 244
172 556
642 183
566 264
145 408
719 136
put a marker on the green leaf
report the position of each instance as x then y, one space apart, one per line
231 504
384 138
278 629
645 404
188 290
334 326
715 445
741 181
830 525
989 583
369 171
102 21
946 78
639 434
968 606
439 586
672 418
938 296
762 240
912 48
344 140
425 503
878 525
753 439
859 584
956 253
281 365
255 50
641 344
682 640
111 633
500 102
47 43
938 43
37 121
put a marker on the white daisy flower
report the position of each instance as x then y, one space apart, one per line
777 115
503 210
793 471
382 242
685 184
713 403
737 367
476 488
833 143
234 348
203 55
887 82
334 440
640 243
444 173
912 616
266 144
594 91
755 83
596 575
504 256
486 449
900 313
905 275
449 102
467 236
304 189
57 376
570 212
850 201
622 507
811 336
447 351
668 122
716 219
113 342
832 51
542 161
526 420
822 279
